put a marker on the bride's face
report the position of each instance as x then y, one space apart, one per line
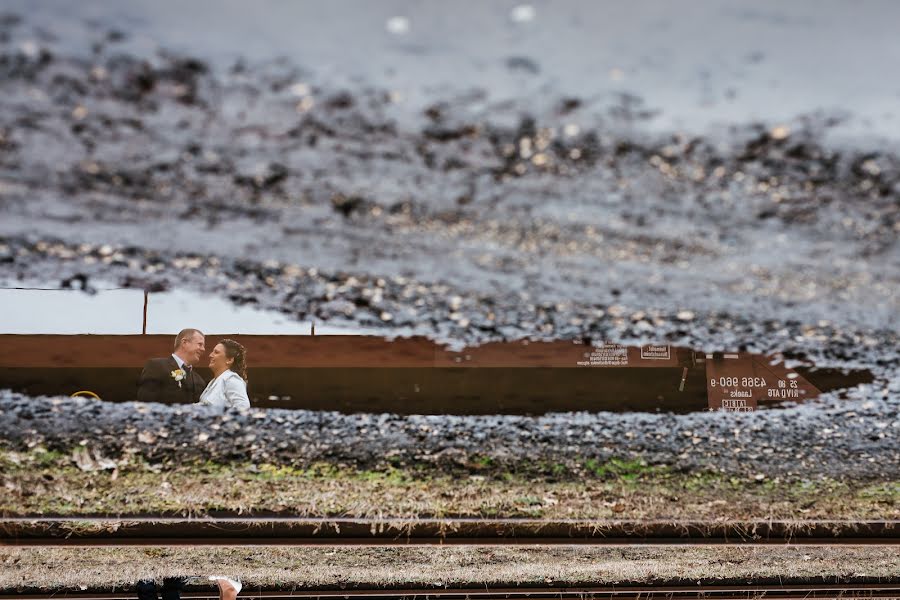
218 360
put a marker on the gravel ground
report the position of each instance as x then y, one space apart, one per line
467 221
857 440
163 153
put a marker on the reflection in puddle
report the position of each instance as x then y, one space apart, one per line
113 310
735 382
364 373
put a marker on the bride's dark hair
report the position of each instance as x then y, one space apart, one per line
239 354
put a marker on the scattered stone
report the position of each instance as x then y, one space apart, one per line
690 442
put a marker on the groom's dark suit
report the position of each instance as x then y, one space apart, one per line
157 384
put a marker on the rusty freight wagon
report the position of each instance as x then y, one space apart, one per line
368 373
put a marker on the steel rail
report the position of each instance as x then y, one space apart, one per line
323 531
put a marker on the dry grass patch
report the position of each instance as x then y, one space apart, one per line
103 568
45 483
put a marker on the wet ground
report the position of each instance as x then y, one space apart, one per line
452 213
547 217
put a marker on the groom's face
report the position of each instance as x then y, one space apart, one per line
193 348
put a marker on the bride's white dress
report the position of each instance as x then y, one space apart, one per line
228 390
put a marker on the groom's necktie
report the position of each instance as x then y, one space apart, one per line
187 375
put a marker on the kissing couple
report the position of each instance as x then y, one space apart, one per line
173 379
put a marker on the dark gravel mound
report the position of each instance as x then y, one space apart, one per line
842 439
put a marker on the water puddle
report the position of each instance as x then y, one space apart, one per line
57 342
107 309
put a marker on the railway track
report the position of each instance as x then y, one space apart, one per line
290 531
806 591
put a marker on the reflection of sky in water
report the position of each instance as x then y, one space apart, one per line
120 311
699 62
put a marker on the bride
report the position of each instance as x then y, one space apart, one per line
228 387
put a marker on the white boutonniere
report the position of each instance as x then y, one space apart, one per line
178 375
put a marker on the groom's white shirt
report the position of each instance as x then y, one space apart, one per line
178 360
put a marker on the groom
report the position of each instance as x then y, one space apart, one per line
172 380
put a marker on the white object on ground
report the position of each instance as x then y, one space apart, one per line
235 584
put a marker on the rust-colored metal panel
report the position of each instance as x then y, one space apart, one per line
430 390
331 351
415 375
649 355
521 353
740 382
120 351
